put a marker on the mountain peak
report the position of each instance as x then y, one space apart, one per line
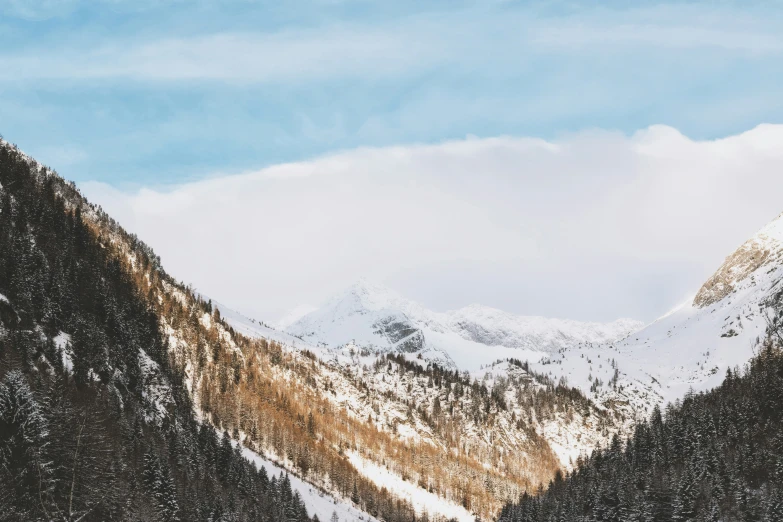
764 247
772 231
366 294
365 286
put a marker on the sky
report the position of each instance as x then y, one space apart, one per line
494 152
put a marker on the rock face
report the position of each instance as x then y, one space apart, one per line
762 249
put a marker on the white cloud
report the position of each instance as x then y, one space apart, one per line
595 225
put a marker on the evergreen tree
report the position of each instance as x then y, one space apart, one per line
158 483
712 457
24 472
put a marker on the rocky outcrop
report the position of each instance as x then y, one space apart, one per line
762 249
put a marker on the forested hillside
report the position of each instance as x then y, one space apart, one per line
713 457
82 434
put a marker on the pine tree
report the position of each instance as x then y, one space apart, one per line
712 457
159 484
24 472
355 495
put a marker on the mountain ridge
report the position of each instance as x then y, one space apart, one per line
357 315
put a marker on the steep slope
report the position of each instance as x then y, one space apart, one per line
94 423
765 248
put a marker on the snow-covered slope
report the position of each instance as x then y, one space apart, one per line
495 327
373 317
258 329
374 362
317 502
693 346
688 348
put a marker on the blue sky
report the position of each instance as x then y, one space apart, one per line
133 93
502 152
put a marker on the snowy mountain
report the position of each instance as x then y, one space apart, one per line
452 382
373 317
368 342
422 379
693 346
377 407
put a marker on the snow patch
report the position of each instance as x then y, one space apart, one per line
156 391
316 501
420 499
63 343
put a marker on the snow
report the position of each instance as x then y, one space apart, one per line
259 330
3 298
495 327
252 328
294 315
772 231
472 356
420 499
156 390
63 343
317 502
691 347
370 316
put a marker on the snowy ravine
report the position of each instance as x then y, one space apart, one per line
316 501
423 501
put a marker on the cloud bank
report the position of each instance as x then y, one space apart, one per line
596 225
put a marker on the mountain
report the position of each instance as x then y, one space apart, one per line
95 422
688 350
618 365
370 316
516 426
691 347
715 456
126 395
372 406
